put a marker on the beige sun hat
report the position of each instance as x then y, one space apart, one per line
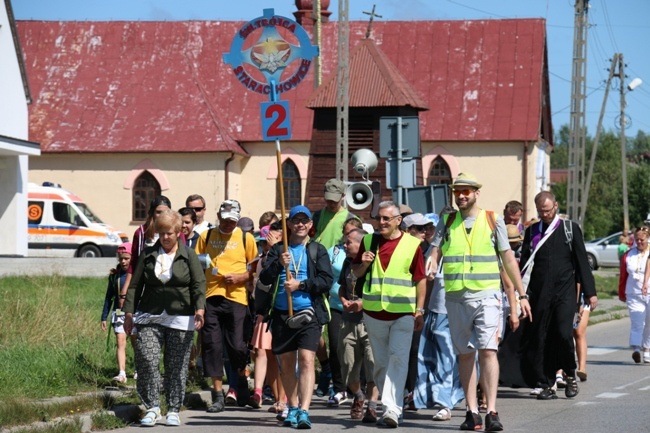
466 179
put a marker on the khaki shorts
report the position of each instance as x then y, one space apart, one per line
475 324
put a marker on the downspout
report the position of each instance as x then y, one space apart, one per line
225 174
524 194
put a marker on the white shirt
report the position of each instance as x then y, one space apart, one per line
635 263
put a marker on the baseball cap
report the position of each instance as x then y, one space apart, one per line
433 218
124 248
298 210
415 219
466 179
334 190
230 210
514 235
246 224
264 232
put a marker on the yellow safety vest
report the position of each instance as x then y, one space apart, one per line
392 290
470 261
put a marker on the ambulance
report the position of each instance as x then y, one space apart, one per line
60 224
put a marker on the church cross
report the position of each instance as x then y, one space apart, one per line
372 16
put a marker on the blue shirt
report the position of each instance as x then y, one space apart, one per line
300 299
337 257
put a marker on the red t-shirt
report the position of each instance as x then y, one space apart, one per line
385 250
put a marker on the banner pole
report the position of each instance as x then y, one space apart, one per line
285 234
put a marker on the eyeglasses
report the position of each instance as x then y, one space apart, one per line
418 228
198 209
386 218
464 191
303 221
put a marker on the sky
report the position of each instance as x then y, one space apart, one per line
615 27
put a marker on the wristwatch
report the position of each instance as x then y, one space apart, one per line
302 286
523 297
420 310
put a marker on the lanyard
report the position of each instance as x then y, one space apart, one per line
296 268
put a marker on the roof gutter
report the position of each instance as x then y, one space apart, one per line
226 173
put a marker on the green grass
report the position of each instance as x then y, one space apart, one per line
606 287
64 426
51 342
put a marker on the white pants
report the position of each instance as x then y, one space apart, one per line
639 307
391 342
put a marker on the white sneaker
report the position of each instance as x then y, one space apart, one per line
121 378
151 417
536 391
135 375
173 420
646 357
337 399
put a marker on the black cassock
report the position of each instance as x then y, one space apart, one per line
531 356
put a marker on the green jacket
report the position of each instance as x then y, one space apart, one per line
182 295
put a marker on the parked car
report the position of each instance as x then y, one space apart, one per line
603 251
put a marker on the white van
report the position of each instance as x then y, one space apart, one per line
60 224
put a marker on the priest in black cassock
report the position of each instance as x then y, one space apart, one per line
558 261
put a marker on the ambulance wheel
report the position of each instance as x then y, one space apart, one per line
89 251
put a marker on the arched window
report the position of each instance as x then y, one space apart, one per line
292 185
440 174
145 188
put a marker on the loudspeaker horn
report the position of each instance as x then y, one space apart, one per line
364 162
358 195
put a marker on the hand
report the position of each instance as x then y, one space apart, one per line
120 303
234 278
198 320
128 323
593 302
356 306
419 322
525 310
292 285
273 238
514 322
285 259
103 325
367 257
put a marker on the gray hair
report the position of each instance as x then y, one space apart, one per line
388 204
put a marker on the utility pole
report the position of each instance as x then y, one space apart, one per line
623 125
577 128
342 93
594 148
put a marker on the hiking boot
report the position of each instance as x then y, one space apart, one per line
547 394
303 420
370 416
492 422
571 389
356 412
473 421
291 419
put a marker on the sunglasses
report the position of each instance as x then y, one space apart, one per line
464 191
418 228
198 209
303 221
386 218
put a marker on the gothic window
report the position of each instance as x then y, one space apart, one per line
292 186
145 188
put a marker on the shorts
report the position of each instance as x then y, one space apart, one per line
261 335
118 324
285 339
475 324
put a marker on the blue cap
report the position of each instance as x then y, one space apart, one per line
299 209
433 217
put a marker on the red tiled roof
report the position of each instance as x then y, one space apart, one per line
374 82
162 86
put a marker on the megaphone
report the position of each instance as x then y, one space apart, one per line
358 195
364 162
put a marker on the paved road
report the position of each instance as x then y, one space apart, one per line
613 399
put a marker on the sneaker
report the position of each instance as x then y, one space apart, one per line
135 375
636 356
356 411
173 420
303 420
473 421
492 422
256 401
547 394
646 357
267 394
151 417
337 399
282 415
559 381
536 391
370 416
291 419
323 383
231 397
571 389
120 378
390 419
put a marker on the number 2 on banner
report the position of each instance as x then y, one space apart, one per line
276 124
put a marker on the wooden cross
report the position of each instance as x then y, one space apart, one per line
372 16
